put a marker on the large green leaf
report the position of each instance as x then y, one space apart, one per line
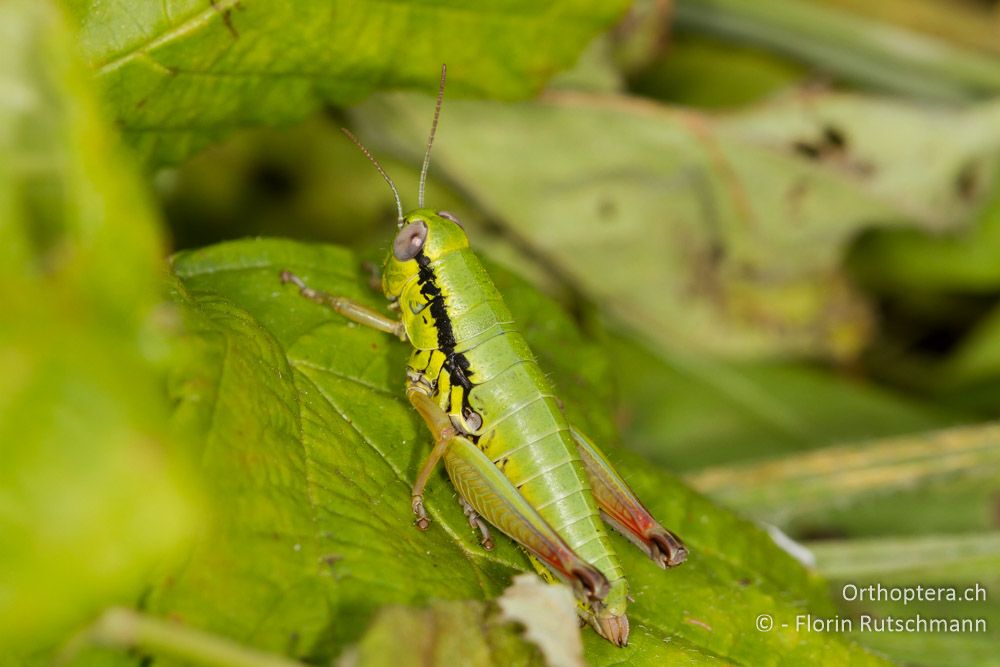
711 233
178 74
88 503
311 450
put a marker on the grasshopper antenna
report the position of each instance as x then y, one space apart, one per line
430 139
371 158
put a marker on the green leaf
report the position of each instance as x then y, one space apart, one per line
88 502
310 451
718 234
182 73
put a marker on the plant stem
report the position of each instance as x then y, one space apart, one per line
124 628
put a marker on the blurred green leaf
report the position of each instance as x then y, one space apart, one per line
183 73
690 412
783 488
308 182
969 24
705 234
963 504
944 558
878 54
712 73
311 451
88 503
912 260
940 282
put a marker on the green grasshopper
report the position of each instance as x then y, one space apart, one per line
509 450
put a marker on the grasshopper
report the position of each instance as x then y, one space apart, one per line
509 450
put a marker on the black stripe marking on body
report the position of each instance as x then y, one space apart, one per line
456 364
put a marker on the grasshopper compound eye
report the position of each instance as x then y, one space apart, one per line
410 241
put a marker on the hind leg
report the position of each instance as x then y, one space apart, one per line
623 511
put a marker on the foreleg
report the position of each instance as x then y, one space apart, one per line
352 310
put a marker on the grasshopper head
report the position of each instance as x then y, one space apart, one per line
425 236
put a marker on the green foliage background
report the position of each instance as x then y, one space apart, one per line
754 244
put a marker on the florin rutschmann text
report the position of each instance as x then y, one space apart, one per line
917 623
869 623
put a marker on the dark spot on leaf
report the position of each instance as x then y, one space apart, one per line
330 559
607 209
834 137
274 180
141 103
716 252
832 146
743 581
830 143
807 149
967 181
